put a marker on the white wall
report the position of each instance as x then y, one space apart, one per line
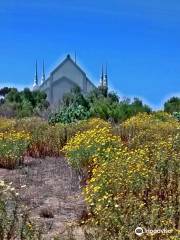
63 79
70 71
59 88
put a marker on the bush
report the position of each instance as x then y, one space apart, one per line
80 149
26 109
47 140
13 146
172 105
176 115
22 103
8 110
69 114
116 111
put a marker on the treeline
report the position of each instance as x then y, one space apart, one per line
76 106
14 103
98 103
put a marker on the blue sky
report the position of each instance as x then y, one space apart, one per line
140 41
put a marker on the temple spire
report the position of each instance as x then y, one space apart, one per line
43 74
36 77
105 79
102 77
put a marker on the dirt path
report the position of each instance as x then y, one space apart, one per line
48 184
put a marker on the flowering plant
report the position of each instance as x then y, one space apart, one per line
133 178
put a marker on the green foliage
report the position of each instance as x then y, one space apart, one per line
13 96
8 109
21 103
4 91
75 98
113 97
176 115
172 105
13 146
96 104
101 108
103 91
115 111
74 108
137 107
163 116
98 93
39 131
26 109
69 114
94 95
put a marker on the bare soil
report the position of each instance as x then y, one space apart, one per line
51 189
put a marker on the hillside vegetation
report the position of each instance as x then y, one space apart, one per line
130 171
127 158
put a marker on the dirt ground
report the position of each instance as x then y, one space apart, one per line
48 184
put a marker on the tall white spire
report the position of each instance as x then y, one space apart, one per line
102 77
35 85
43 74
105 79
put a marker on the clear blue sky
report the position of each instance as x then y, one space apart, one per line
139 39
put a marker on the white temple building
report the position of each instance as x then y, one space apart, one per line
63 78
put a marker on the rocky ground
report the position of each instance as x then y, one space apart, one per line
51 189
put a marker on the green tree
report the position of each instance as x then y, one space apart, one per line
172 105
22 103
38 98
13 96
138 106
4 91
94 95
27 95
26 109
113 97
115 111
75 98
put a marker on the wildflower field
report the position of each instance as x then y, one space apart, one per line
13 144
133 178
130 170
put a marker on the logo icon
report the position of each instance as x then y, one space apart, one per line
139 231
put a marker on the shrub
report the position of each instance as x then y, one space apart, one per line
22 103
172 105
48 140
8 110
80 149
69 114
26 109
145 128
13 146
176 115
116 111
